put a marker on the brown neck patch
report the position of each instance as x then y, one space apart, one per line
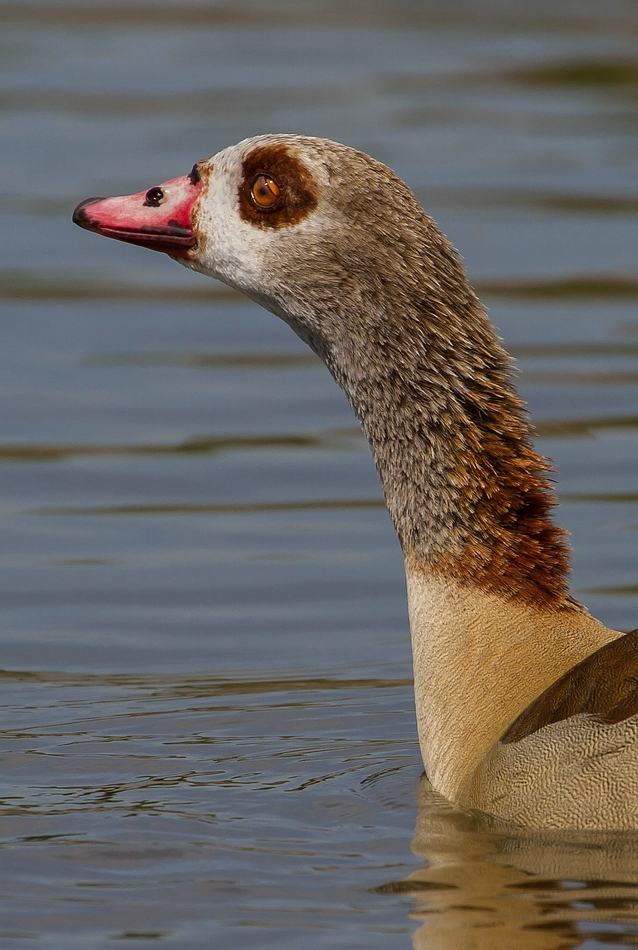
514 548
505 541
298 189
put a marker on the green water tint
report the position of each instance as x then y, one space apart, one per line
203 445
510 198
576 348
614 590
197 686
347 439
584 73
341 439
572 288
234 360
567 428
619 378
17 285
239 508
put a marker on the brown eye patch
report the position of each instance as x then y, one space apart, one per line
276 182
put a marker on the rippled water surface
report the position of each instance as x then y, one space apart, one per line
208 735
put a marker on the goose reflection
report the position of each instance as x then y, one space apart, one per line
487 885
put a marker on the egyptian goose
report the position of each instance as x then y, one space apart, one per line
527 706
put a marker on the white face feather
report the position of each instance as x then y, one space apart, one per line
235 250
228 248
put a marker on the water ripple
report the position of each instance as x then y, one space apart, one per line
204 445
29 285
215 509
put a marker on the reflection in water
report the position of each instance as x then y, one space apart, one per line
22 285
235 360
238 508
198 445
577 348
489 888
518 198
582 72
556 428
197 687
343 439
574 288
618 378
17 284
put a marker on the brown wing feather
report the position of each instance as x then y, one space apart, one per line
604 685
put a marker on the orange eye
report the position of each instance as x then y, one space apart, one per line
265 192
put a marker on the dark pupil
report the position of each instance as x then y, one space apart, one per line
264 189
153 197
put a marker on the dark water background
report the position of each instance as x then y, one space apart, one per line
208 736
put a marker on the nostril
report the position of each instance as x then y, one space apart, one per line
154 197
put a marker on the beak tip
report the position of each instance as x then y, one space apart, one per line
80 217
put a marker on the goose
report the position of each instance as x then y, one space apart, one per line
527 706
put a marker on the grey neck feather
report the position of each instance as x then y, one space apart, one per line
406 338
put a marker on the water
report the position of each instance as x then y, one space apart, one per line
208 730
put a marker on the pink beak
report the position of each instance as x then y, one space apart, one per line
160 218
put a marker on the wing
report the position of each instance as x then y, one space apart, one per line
604 686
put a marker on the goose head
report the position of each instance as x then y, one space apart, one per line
318 233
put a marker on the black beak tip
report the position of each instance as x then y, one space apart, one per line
80 217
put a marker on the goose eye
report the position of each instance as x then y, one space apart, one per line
154 197
264 192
